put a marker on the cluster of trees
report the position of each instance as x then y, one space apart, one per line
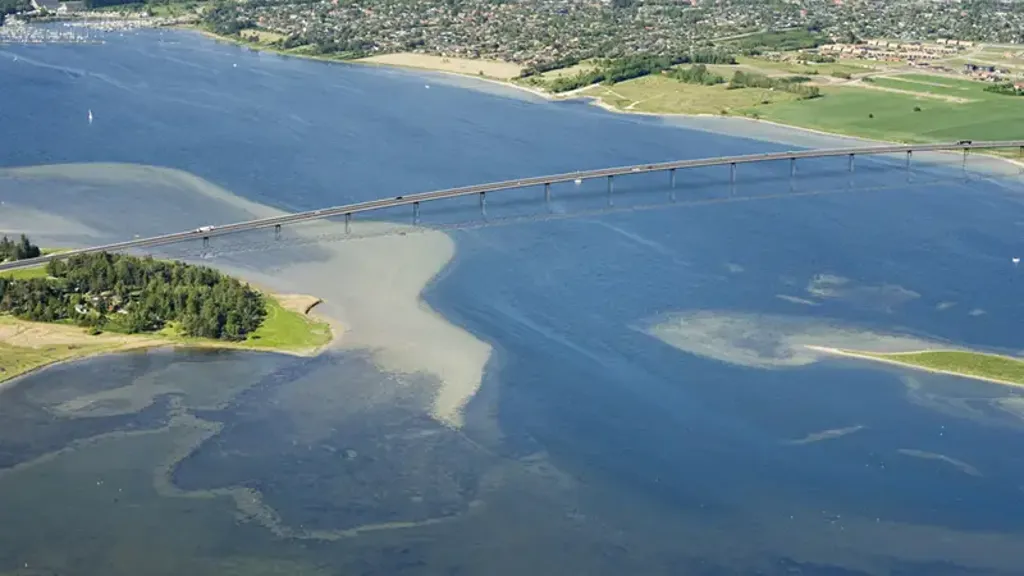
783 41
13 7
1007 88
621 69
20 250
538 68
222 18
697 74
806 57
130 294
751 80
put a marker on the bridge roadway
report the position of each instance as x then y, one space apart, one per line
482 189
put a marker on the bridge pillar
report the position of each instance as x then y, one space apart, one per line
964 166
483 204
611 188
348 222
547 192
672 175
206 242
415 213
732 173
851 162
277 232
792 167
910 154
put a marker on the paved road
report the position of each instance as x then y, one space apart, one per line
483 189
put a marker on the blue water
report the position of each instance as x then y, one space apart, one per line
698 440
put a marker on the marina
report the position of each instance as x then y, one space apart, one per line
18 32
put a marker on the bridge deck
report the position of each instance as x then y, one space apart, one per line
483 189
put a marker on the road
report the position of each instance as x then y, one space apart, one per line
482 189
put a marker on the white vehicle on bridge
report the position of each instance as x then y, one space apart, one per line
204 229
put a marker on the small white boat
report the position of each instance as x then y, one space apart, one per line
1016 261
578 181
90 116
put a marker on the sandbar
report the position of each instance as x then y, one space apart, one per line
893 359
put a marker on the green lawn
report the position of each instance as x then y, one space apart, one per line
288 330
967 363
25 273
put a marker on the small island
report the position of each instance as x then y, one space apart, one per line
102 302
969 364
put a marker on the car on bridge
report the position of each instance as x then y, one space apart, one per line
203 229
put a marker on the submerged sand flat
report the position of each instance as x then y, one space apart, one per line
770 341
371 286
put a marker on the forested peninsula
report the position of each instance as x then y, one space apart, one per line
115 302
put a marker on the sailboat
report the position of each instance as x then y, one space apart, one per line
90 116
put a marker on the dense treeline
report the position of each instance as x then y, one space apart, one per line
696 74
751 80
1007 88
19 250
621 69
130 294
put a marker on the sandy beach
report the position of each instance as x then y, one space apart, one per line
370 286
469 67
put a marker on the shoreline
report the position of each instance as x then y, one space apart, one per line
894 362
595 101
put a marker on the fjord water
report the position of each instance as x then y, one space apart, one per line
644 409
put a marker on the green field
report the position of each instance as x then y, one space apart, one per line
25 273
660 95
792 67
935 108
975 364
288 330
892 116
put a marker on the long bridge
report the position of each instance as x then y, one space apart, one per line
481 190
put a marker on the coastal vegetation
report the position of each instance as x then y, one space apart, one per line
1004 369
129 294
613 71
